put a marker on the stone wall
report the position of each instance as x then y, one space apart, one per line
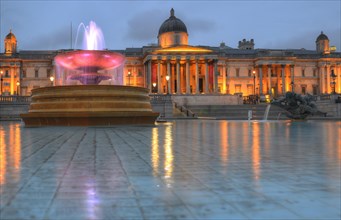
183 100
12 106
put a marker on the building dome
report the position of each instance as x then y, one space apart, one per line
322 36
172 24
10 36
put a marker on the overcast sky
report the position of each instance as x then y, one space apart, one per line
287 24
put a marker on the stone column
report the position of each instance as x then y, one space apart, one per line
283 79
227 79
269 80
292 78
135 76
338 83
149 76
260 80
159 77
187 77
169 74
196 77
328 79
325 89
178 76
207 89
322 79
224 78
215 78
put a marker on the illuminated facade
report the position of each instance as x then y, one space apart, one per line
193 69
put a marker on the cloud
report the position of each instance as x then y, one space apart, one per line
307 40
60 38
144 26
200 25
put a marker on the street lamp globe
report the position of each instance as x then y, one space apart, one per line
51 79
167 79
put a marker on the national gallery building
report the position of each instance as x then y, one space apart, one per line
176 67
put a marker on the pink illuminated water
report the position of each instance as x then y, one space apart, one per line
92 65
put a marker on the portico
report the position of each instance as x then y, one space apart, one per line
192 71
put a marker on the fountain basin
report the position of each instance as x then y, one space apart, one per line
86 65
89 105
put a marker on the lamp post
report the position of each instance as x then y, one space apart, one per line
2 73
51 79
254 82
167 79
292 86
154 87
332 84
129 74
18 84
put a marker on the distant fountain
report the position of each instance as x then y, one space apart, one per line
297 106
266 113
81 98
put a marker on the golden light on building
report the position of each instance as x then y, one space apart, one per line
184 49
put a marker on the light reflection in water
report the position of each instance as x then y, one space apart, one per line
155 151
167 154
10 152
92 202
256 159
3 158
224 145
168 148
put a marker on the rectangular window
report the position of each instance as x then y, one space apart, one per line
250 89
139 72
48 73
6 73
237 72
249 73
303 73
315 89
24 74
304 89
36 75
238 88
314 72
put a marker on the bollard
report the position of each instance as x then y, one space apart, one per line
249 115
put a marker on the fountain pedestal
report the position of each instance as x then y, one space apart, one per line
89 105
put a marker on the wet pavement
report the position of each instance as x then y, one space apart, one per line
187 169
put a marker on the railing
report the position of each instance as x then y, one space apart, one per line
185 110
15 99
325 97
251 99
159 98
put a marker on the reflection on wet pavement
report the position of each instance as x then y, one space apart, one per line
193 169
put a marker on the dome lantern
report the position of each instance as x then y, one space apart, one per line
10 43
322 44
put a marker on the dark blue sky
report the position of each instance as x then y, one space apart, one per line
46 25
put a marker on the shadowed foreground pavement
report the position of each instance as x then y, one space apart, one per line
193 169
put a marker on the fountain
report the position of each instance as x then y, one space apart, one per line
298 107
84 95
266 113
